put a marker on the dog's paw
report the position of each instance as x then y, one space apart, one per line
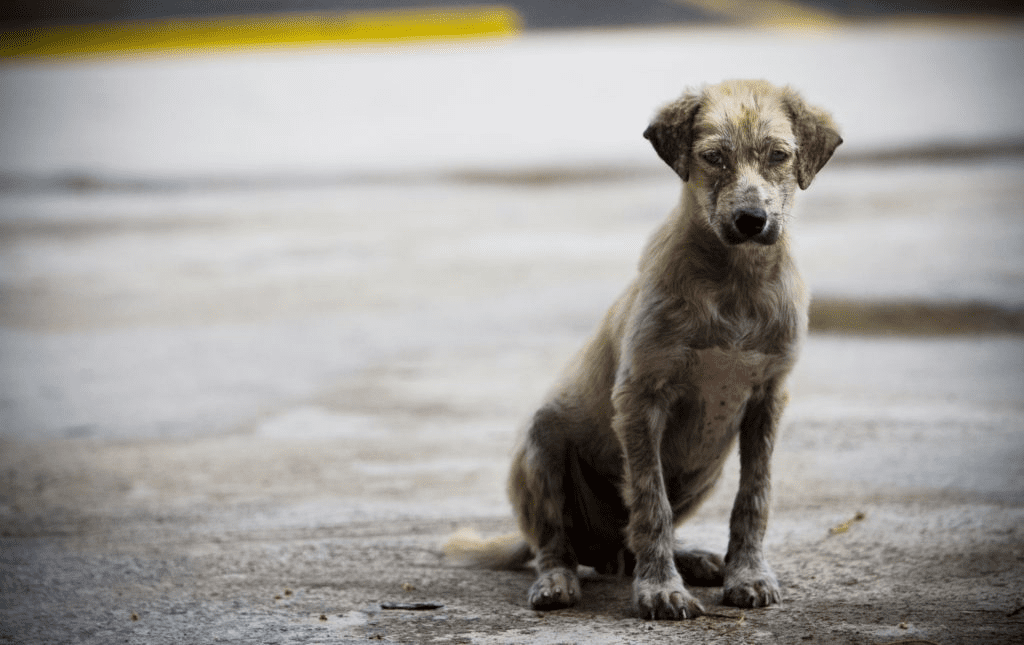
755 587
555 589
700 568
667 600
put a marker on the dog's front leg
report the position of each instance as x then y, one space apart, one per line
658 591
749 581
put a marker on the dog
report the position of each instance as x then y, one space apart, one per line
691 357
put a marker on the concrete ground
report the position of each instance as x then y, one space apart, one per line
253 417
236 412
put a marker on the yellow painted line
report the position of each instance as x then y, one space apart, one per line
239 32
774 13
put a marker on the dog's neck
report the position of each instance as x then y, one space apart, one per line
691 250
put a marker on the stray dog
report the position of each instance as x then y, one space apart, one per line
693 355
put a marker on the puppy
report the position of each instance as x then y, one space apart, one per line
693 355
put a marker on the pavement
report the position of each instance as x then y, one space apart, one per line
236 410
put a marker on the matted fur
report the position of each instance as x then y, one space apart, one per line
693 355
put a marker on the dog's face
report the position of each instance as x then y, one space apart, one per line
744 147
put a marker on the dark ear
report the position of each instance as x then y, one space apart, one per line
816 138
671 133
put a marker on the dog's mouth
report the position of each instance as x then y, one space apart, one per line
750 224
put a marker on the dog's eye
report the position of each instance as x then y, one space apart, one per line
778 156
713 157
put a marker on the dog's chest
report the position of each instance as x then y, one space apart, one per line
723 381
725 378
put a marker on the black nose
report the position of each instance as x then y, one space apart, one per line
749 221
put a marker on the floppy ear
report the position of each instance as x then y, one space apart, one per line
671 133
816 138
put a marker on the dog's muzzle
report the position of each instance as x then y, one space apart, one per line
751 224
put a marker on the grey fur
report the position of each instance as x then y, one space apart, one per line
693 355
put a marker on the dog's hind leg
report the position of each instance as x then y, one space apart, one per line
698 567
537 491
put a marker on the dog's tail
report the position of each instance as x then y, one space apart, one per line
503 553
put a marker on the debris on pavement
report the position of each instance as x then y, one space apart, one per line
412 606
845 526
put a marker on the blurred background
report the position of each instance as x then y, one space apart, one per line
285 270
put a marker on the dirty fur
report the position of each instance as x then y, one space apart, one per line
692 357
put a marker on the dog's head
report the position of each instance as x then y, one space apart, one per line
743 147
